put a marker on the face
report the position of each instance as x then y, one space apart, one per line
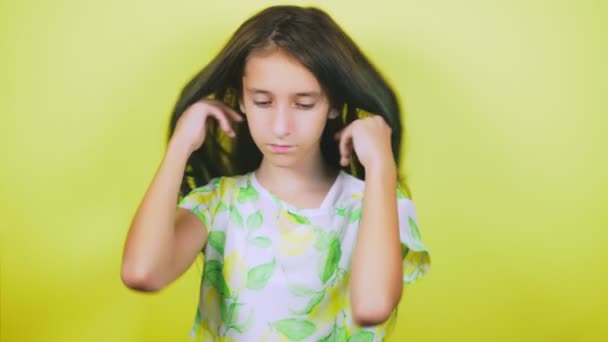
286 109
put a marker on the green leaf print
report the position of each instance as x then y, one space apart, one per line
324 239
340 334
258 276
247 194
202 216
213 276
337 335
254 221
328 338
223 310
414 228
314 301
236 217
362 336
355 215
232 314
241 328
261 241
333 258
300 290
197 319
221 207
217 240
295 329
401 194
404 251
341 211
298 218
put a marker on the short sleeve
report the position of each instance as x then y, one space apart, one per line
203 201
415 255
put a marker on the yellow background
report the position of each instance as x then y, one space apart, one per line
506 118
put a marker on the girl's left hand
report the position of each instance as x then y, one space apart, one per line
370 139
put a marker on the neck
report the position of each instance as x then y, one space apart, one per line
292 179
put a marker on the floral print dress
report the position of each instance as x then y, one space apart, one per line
274 272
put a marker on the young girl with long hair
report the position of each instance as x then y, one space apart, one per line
282 159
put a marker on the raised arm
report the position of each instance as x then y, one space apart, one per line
162 243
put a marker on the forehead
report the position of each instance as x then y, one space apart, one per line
277 72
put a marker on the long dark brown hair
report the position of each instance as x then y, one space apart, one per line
349 79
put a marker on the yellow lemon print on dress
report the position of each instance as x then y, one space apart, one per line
336 301
203 332
212 311
357 195
228 185
203 197
235 272
295 232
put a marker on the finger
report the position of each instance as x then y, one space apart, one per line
228 111
338 134
349 153
233 114
222 119
345 141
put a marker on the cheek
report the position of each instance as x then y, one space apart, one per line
257 127
312 123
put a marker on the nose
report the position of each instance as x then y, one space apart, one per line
282 123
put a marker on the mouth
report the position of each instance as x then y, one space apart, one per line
276 148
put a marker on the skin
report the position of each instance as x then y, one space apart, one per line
376 277
283 104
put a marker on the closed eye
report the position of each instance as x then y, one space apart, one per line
261 103
305 106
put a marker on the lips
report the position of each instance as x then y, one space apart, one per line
277 148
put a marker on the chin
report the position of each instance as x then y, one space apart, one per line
279 160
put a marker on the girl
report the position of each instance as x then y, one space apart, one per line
282 158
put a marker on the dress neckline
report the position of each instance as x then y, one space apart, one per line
328 202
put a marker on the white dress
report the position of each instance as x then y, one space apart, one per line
274 272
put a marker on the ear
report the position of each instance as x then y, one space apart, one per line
333 113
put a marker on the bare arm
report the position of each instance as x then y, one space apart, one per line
376 278
162 243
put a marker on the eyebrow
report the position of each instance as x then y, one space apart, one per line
299 94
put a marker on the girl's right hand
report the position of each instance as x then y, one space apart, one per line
191 127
